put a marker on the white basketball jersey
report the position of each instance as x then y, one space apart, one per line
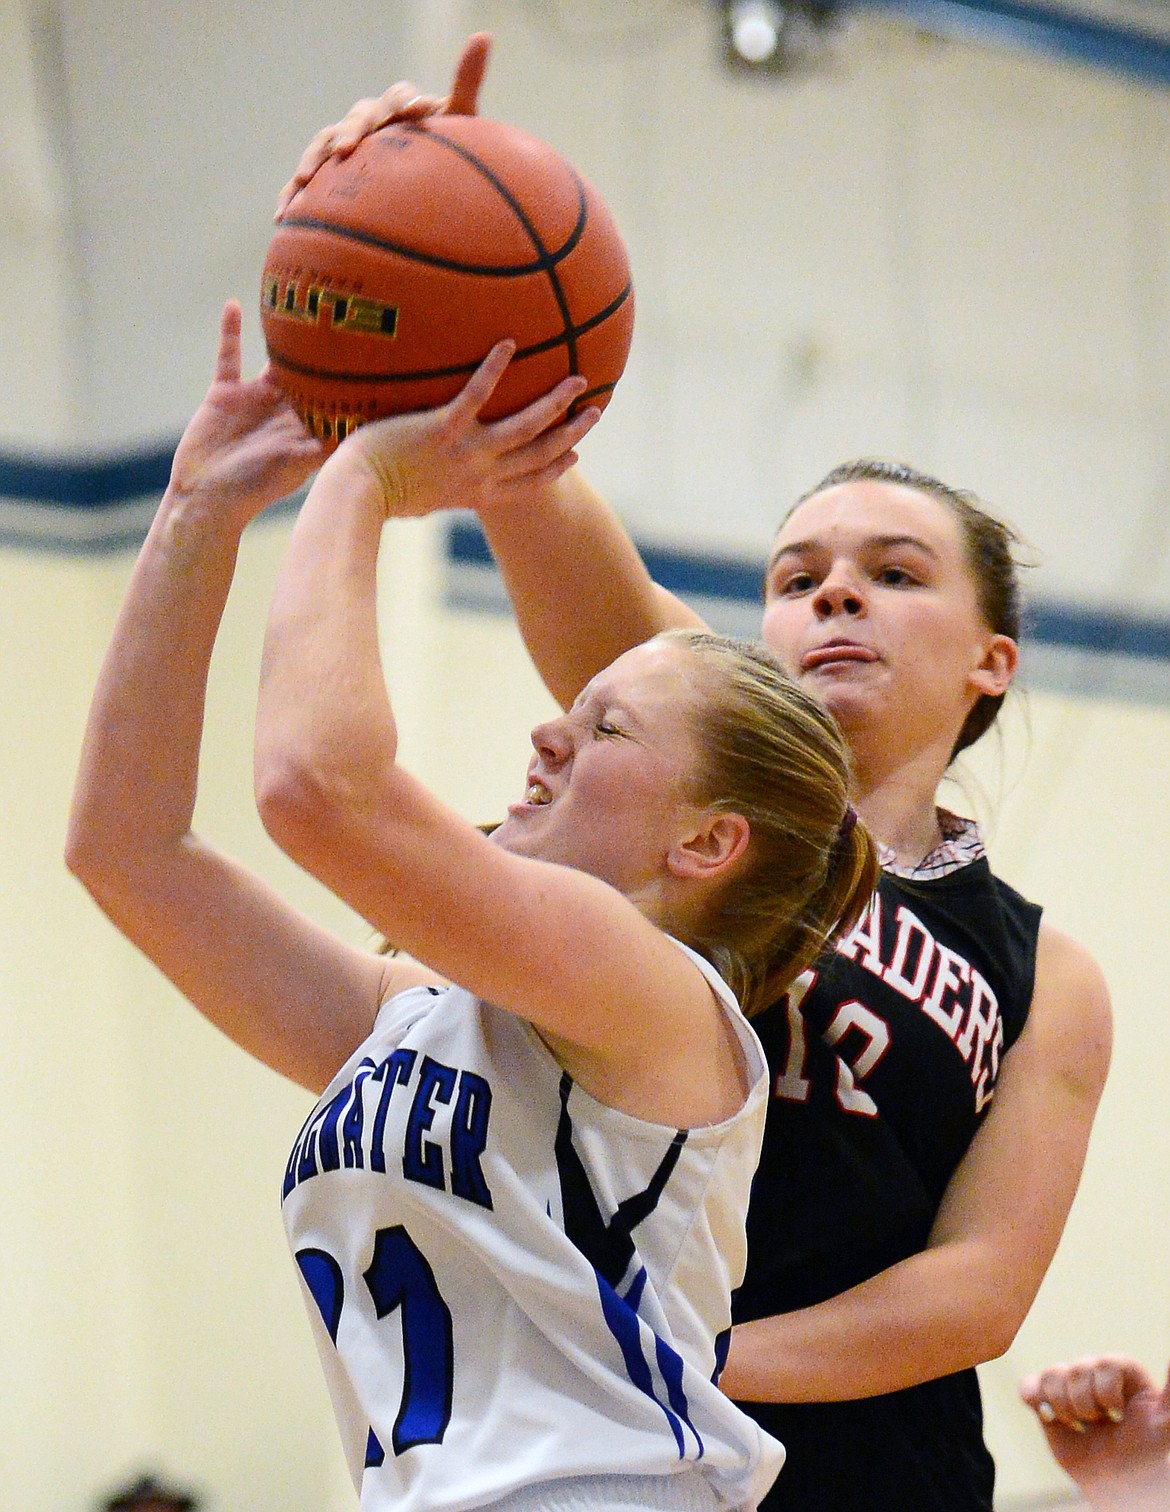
511 1283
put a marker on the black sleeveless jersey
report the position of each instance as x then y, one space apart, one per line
884 1060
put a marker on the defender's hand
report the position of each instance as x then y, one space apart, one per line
401 102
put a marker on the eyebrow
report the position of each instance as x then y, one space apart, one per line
881 542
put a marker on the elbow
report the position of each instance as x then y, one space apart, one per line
997 1338
77 842
112 870
989 1331
87 857
286 797
79 857
1008 1318
298 805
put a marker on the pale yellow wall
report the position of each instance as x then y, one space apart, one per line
150 1312
73 1334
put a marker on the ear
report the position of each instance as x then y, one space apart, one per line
714 844
993 675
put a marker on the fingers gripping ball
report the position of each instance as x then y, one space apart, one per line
395 270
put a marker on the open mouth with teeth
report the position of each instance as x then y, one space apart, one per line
536 793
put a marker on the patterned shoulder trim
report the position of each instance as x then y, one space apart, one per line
961 844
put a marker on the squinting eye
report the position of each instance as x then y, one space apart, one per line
603 728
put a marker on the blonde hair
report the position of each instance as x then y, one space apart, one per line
771 753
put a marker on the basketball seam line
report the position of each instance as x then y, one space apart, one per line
518 210
430 259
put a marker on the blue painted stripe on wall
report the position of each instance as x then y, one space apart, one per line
88 498
87 482
1049 29
1084 629
692 574
684 572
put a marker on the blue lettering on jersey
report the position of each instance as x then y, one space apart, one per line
422 1159
323 1278
469 1130
394 1072
400 1280
307 1165
352 1126
350 1129
327 1145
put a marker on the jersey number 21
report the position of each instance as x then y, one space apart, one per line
398 1279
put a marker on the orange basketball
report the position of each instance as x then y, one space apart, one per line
395 271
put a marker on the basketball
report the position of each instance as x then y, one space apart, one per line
394 272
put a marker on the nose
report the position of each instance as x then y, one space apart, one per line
551 741
839 592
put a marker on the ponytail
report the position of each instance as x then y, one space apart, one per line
831 913
774 755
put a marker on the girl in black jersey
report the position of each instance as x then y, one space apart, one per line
935 1080
939 1073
